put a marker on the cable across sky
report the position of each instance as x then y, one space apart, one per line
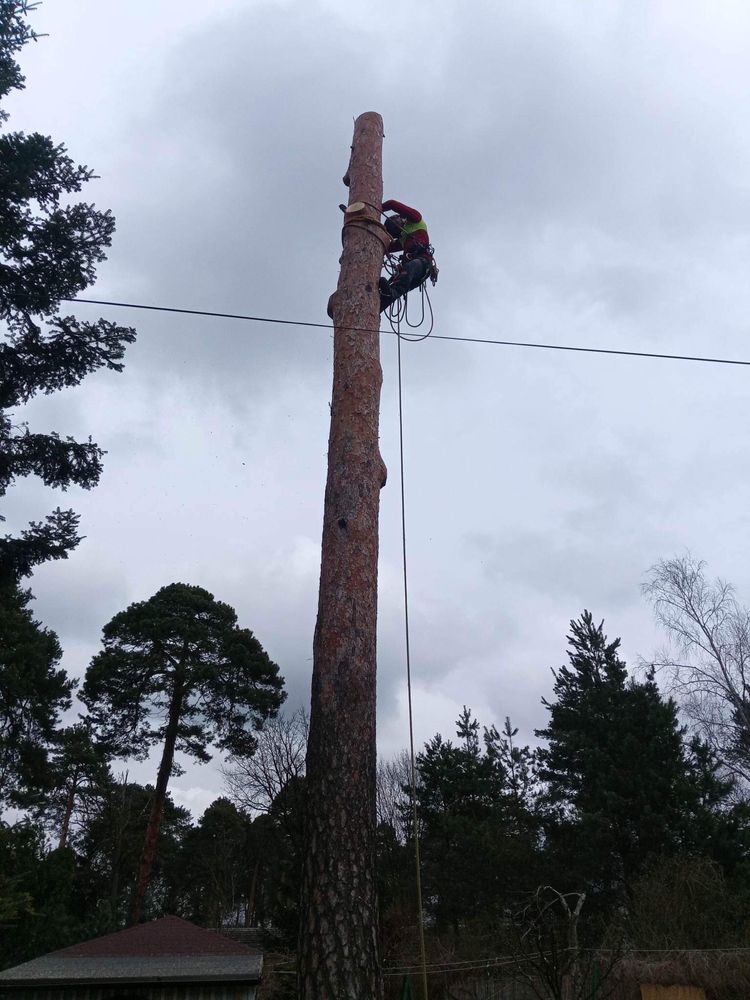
433 336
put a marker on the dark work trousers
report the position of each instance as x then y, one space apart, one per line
411 274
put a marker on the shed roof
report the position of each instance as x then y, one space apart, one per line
166 950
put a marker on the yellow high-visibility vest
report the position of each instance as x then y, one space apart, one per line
409 228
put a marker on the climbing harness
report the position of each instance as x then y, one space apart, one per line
398 311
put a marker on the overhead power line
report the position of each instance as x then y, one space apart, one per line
433 336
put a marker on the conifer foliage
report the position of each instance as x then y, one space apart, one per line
34 689
50 246
177 670
619 775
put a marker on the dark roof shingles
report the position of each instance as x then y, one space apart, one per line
166 949
168 936
69 970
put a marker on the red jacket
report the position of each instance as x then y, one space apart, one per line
417 241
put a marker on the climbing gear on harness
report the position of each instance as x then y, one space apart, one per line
397 309
419 251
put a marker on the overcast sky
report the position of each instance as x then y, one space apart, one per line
585 173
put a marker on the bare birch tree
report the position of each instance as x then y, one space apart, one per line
707 658
393 779
254 782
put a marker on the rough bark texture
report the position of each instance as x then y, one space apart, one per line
157 807
339 955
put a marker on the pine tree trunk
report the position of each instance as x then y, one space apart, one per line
157 807
119 824
339 955
70 800
250 906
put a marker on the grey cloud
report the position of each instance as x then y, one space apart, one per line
80 598
583 173
232 196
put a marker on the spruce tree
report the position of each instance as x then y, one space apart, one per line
619 782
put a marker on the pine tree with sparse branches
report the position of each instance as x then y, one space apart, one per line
177 671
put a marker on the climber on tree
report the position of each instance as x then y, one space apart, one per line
410 239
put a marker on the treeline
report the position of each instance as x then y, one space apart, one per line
617 807
616 820
222 869
92 851
69 866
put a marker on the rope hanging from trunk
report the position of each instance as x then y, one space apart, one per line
398 311
413 769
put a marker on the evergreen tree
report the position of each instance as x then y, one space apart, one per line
49 248
78 774
715 822
277 844
520 780
50 245
621 788
16 844
109 843
177 670
213 867
477 836
33 692
46 908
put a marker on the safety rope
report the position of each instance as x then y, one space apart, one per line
398 311
413 768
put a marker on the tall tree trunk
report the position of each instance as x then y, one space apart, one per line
70 800
339 954
250 906
157 807
119 821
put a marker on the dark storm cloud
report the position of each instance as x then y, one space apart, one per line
239 182
541 147
584 174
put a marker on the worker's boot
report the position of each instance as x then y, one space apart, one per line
386 294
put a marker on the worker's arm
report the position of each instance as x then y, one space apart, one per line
395 247
410 214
